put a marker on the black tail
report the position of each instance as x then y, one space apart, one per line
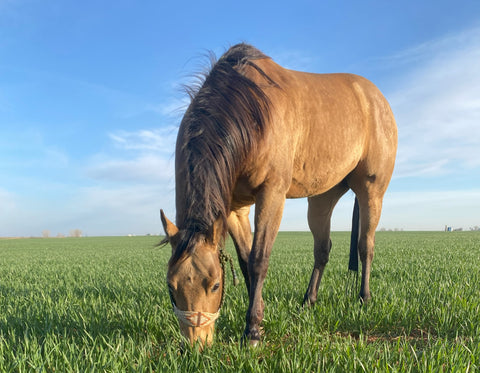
353 262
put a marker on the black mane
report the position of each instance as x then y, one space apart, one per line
222 126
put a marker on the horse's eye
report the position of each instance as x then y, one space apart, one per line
215 287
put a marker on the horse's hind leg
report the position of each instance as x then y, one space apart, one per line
241 233
320 210
370 197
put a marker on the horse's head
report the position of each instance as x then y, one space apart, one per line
196 284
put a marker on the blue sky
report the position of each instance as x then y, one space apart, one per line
90 99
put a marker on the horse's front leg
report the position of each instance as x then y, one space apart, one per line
268 214
241 233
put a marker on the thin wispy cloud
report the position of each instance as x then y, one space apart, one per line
140 170
141 157
7 200
174 108
438 107
121 210
296 59
29 149
146 140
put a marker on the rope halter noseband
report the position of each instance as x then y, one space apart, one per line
202 319
194 318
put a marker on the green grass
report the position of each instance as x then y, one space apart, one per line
101 304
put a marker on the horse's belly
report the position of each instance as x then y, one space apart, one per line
313 178
301 188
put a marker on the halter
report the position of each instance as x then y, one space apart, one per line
202 319
194 318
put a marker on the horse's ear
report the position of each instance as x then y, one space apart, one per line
171 229
217 232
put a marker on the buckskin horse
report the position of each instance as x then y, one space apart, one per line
257 133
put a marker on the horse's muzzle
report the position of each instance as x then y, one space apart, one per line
196 325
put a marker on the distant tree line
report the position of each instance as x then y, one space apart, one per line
73 233
390 230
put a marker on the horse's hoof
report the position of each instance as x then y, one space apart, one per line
365 299
251 338
307 303
253 343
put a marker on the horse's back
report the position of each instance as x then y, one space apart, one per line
325 125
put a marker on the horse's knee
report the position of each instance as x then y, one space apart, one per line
322 253
366 255
366 249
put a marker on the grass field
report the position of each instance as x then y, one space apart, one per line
101 304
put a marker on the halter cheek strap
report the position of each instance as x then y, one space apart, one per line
195 318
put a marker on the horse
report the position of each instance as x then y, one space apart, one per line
256 133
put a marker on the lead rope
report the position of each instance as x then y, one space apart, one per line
224 258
